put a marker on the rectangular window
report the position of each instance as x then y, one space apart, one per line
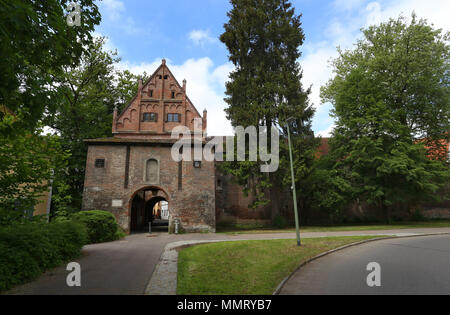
99 163
173 118
151 93
150 117
173 94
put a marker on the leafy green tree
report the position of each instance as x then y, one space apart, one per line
324 194
388 93
27 165
87 95
263 40
36 41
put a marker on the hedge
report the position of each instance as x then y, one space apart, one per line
101 225
28 249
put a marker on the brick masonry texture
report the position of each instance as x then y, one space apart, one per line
194 204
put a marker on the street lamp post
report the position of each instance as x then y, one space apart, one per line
297 229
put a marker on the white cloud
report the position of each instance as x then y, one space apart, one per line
326 133
205 86
435 11
114 13
113 9
201 37
316 71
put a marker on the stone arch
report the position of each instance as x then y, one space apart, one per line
153 188
141 204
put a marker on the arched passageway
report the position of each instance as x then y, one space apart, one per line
149 206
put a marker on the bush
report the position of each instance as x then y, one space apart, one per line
28 249
279 222
418 216
16 267
101 225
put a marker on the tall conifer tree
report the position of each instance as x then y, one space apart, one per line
263 39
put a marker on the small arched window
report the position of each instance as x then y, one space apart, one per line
152 171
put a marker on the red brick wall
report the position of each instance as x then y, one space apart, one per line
155 96
232 206
194 205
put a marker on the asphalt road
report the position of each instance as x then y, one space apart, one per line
416 265
126 266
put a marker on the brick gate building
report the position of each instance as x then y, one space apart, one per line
130 172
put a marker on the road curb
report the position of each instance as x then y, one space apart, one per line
282 283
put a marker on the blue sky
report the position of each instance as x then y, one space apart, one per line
186 32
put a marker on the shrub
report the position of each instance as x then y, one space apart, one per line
418 216
101 225
279 222
16 267
28 249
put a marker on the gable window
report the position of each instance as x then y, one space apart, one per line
166 77
99 163
151 93
173 94
173 118
149 117
160 77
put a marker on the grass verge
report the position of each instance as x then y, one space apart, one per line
252 229
247 267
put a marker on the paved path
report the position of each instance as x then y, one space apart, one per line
416 265
126 266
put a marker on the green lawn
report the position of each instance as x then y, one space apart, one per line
247 267
253 229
